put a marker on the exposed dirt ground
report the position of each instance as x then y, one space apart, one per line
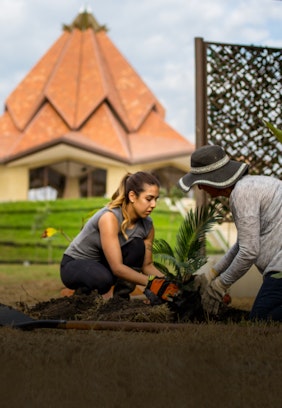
228 363
95 307
45 298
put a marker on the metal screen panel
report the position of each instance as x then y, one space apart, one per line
237 87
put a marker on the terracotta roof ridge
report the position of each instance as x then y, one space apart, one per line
123 139
58 72
151 108
136 97
54 70
111 92
78 83
29 95
78 120
12 147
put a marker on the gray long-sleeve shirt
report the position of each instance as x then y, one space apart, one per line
256 206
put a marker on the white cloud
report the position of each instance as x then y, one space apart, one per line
155 36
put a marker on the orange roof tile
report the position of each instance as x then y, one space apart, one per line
165 142
135 96
26 99
84 91
9 134
106 131
45 127
91 90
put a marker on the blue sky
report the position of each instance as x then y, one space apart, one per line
155 36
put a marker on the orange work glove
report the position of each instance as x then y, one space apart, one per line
159 290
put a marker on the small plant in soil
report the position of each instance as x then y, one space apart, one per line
188 256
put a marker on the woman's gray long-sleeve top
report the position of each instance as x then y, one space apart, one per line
256 206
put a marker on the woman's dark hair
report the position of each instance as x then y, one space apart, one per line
131 182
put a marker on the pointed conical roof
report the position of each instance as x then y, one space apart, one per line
83 91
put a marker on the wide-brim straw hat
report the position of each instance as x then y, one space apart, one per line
211 166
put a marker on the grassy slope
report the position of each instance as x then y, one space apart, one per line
22 224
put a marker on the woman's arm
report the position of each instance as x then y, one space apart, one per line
148 265
248 250
109 229
227 259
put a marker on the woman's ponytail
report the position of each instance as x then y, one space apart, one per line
120 199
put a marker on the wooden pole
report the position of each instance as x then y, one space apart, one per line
122 326
201 105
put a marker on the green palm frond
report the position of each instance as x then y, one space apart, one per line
190 238
188 257
191 266
168 265
161 267
277 132
160 246
164 258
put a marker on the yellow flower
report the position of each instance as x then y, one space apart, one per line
49 232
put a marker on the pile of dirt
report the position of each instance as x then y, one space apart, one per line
95 307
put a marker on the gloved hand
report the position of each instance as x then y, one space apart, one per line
202 280
159 290
213 296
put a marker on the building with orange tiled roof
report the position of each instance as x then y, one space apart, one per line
81 118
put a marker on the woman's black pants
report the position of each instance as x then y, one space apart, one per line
87 274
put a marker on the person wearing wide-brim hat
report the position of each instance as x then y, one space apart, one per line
256 206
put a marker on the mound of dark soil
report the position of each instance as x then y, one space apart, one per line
95 307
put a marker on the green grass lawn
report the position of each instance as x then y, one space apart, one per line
12 274
22 225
